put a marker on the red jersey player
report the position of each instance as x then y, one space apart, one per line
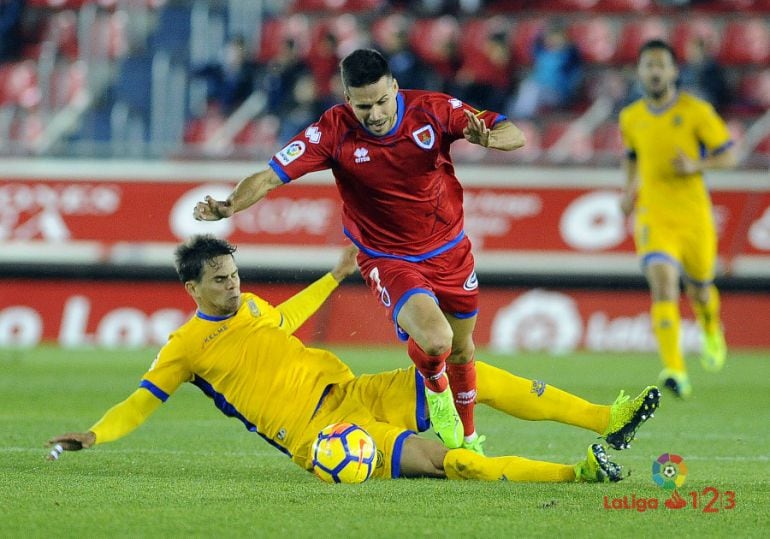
402 206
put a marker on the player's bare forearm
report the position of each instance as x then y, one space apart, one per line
686 166
506 136
248 192
503 136
252 189
723 160
629 188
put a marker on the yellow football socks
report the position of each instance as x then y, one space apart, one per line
666 324
465 464
708 313
535 401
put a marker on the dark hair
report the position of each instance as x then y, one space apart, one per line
362 67
190 256
657 44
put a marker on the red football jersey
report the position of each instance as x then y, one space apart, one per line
399 191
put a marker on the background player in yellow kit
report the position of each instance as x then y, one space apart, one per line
239 350
671 138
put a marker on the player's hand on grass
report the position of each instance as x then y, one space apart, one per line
684 165
213 210
346 264
476 132
72 441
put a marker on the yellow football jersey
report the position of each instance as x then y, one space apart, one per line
653 137
259 374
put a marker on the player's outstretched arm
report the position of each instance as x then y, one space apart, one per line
248 192
302 305
119 420
628 196
503 136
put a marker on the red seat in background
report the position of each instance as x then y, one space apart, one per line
746 42
637 32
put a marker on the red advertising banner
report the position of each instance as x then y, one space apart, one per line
514 225
134 314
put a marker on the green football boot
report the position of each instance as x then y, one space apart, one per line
626 416
677 382
597 467
444 417
714 351
475 444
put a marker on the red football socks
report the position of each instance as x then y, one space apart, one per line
430 367
462 380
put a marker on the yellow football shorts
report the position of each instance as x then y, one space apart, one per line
390 406
689 244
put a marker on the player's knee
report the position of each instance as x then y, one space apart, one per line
433 354
462 354
437 341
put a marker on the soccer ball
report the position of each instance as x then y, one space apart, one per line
344 453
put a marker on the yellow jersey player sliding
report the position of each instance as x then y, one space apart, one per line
671 138
240 351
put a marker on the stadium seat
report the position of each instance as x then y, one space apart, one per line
754 90
522 38
622 6
62 29
335 6
274 31
533 149
432 38
476 31
344 27
18 84
703 27
261 133
607 139
635 33
596 38
746 42
581 148
763 147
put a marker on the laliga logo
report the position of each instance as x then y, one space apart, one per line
538 320
669 471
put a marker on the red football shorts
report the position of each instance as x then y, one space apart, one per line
448 277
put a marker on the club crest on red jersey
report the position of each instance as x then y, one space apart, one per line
424 137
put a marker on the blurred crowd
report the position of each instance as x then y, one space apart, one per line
300 85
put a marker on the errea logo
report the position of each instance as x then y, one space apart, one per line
362 155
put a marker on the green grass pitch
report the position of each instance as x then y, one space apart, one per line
189 471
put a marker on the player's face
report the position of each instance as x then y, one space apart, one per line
657 73
219 291
375 104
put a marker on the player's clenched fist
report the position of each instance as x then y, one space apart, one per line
213 210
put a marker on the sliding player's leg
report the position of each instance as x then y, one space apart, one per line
534 400
427 458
